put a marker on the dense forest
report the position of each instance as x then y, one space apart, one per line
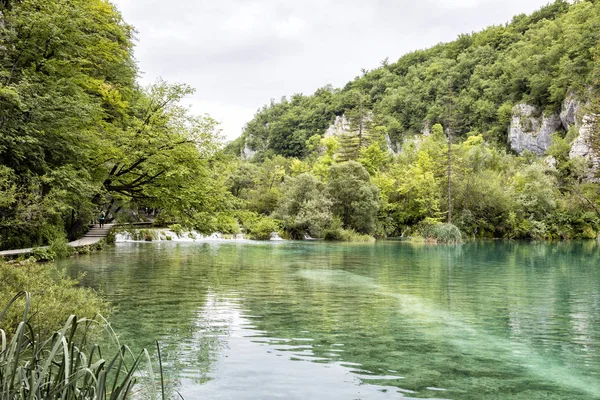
427 139
398 151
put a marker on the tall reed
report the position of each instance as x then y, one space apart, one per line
64 366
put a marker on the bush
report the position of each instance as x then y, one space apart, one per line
262 229
60 247
440 233
43 254
336 233
57 296
111 238
142 234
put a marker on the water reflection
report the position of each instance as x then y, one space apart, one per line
308 320
280 366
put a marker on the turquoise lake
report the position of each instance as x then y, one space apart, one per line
390 320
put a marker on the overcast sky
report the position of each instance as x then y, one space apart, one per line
240 54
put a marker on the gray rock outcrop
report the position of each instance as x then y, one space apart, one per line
582 148
530 131
248 153
340 126
569 114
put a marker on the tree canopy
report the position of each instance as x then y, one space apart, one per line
78 134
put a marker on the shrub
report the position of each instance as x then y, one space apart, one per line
440 233
84 250
262 229
354 198
60 247
111 238
143 234
336 233
43 254
57 296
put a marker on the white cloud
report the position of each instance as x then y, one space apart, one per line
240 54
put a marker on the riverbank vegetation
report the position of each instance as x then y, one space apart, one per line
56 296
417 142
64 365
79 135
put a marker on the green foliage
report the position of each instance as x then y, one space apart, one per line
147 235
43 254
439 233
304 208
177 229
534 59
262 229
354 198
57 296
336 232
284 127
65 365
79 136
111 238
60 247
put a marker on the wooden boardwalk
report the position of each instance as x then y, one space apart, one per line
93 236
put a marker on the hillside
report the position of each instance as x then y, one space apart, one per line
471 85
495 133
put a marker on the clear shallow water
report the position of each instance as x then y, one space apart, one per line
302 320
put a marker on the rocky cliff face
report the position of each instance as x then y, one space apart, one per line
529 130
569 114
248 153
581 148
340 126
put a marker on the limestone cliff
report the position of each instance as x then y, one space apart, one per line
532 131
529 130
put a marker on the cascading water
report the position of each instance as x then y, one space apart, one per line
149 235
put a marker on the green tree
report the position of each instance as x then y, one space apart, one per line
354 198
304 207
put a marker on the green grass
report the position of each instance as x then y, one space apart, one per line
65 366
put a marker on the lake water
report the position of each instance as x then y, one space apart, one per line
391 320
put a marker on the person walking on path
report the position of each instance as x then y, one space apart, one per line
102 216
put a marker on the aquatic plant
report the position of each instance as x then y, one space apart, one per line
65 366
57 296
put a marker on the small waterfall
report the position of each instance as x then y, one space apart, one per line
167 235
123 237
275 236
